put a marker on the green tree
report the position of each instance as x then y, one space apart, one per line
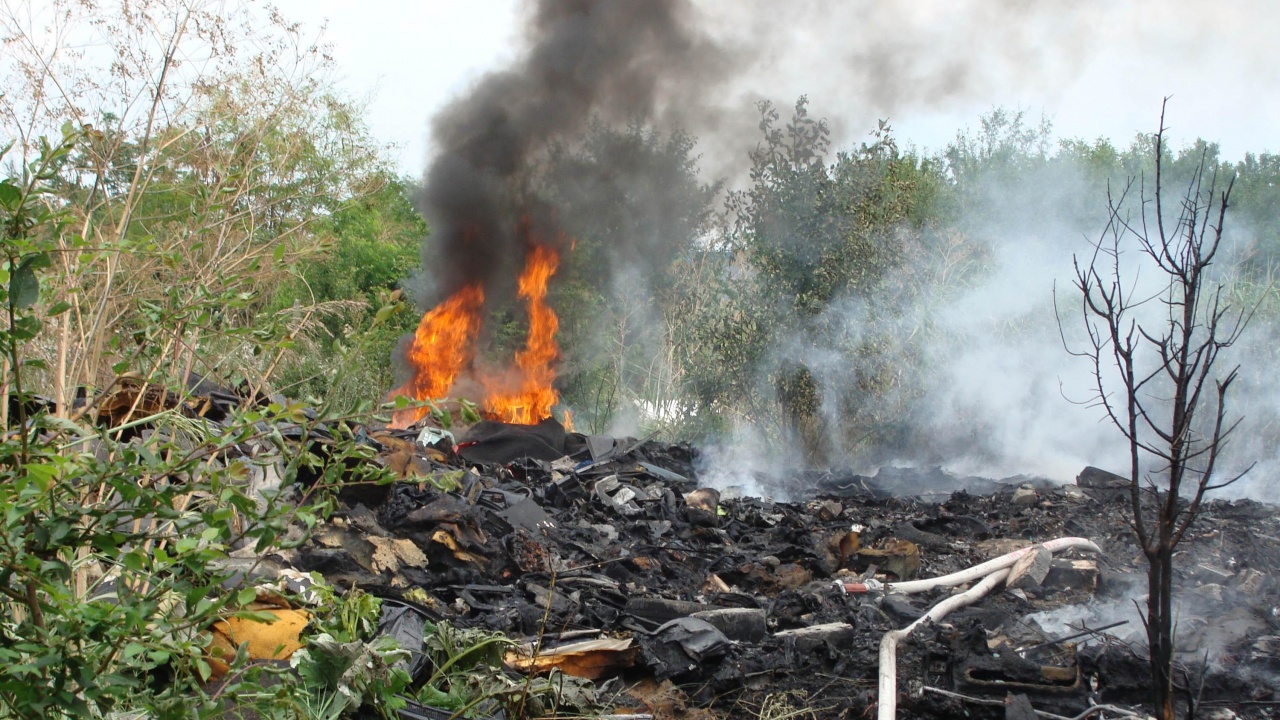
814 255
193 180
368 245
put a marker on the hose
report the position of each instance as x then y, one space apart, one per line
992 572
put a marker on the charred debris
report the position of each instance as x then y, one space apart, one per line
606 558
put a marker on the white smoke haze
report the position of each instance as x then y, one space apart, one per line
1003 395
1208 623
747 462
1121 604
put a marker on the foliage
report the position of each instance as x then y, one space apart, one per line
369 245
195 185
143 246
111 540
468 678
345 664
466 668
810 269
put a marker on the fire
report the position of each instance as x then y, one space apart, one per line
531 401
443 349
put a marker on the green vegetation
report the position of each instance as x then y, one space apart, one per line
114 541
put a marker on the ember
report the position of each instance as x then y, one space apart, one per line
443 348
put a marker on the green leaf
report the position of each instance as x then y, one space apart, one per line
383 313
24 286
42 474
26 327
58 308
10 195
68 426
36 261
246 596
133 560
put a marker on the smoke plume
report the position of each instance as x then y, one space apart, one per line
608 59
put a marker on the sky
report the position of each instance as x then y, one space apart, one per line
932 67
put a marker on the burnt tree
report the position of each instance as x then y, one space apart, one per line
1154 354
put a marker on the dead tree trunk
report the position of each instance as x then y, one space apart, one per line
1155 371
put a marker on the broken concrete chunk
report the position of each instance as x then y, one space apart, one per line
1266 648
1025 495
1101 485
829 510
1211 592
1206 573
1250 582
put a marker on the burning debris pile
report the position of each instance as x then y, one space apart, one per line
607 559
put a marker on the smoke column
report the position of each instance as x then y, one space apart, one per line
609 59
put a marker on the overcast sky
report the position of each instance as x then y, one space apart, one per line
932 67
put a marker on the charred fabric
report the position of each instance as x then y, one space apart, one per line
608 559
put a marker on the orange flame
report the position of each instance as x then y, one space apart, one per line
532 400
441 349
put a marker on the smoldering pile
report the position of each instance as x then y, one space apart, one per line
606 558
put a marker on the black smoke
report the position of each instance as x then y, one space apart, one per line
612 60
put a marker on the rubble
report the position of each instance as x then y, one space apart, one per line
605 558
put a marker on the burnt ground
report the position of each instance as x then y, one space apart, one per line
728 606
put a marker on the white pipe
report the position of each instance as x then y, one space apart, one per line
995 572
887 699
986 568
